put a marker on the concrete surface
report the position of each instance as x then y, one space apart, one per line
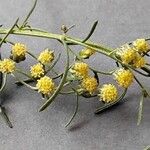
119 21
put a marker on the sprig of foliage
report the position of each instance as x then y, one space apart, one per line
130 58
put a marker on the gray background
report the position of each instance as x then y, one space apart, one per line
119 21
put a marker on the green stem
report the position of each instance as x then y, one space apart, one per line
29 14
102 72
99 48
69 92
26 81
147 148
145 93
59 75
91 32
32 55
53 65
81 59
111 104
27 85
20 71
9 32
32 33
51 99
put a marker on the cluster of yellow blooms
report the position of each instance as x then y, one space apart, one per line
89 84
134 55
141 45
37 70
46 57
18 52
7 66
108 92
80 69
45 85
124 77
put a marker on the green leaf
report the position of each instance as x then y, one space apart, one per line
108 105
9 32
5 117
91 32
51 99
29 14
75 112
53 65
4 79
140 110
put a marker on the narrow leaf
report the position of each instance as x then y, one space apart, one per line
106 106
140 110
5 117
51 99
29 14
75 112
9 32
91 32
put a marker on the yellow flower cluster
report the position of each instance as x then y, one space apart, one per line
18 52
141 45
130 55
127 54
80 69
7 66
108 93
124 77
89 84
139 61
86 53
45 57
45 85
37 70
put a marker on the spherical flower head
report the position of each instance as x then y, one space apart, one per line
124 77
108 93
80 69
86 53
127 54
139 62
7 66
89 84
45 57
18 51
141 45
45 85
37 70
